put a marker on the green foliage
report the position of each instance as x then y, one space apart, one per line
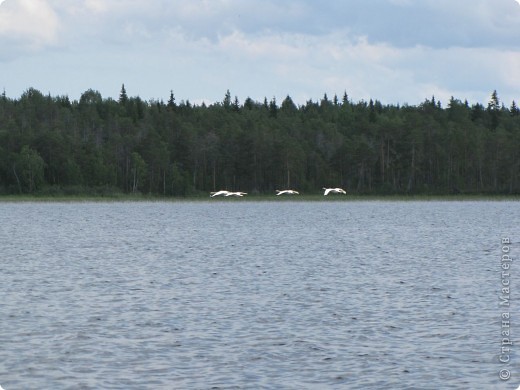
102 146
139 170
28 170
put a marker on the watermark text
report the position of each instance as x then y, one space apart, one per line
505 302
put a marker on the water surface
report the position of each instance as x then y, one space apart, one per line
254 295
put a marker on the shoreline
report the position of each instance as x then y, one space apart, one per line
249 198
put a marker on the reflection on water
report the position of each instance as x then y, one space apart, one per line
253 295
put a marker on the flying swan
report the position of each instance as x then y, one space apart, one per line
219 193
334 191
235 193
287 192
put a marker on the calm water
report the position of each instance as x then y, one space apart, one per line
232 294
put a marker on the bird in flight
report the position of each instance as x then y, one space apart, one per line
334 191
235 193
287 192
219 193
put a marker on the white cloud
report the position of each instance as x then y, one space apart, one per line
96 6
283 48
32 24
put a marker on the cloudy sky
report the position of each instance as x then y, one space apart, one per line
396 51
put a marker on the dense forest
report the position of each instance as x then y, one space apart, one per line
51 145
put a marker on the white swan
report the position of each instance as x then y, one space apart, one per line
334 191
219 193
235 193
287 192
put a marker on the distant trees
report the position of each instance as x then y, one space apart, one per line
28 169
139 170
179 149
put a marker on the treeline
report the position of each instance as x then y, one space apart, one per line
52 145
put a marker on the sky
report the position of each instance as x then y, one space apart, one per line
394 51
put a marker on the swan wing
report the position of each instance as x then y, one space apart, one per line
218 193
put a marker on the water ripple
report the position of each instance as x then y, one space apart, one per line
252 295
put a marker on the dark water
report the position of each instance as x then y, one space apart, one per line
296 295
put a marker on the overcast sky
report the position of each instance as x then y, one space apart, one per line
396 51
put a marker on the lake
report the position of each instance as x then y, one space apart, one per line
261 295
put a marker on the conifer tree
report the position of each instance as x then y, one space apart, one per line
345 98
494 110
123 98
236 105
273 108
288 105
227 100
171 101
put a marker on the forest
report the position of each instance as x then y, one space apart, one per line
98 146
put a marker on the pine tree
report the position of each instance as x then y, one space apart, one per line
288 105
236 105
171 101
123 98
371 111
494 110
325 98
227 100
273 108
345 98
494 103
